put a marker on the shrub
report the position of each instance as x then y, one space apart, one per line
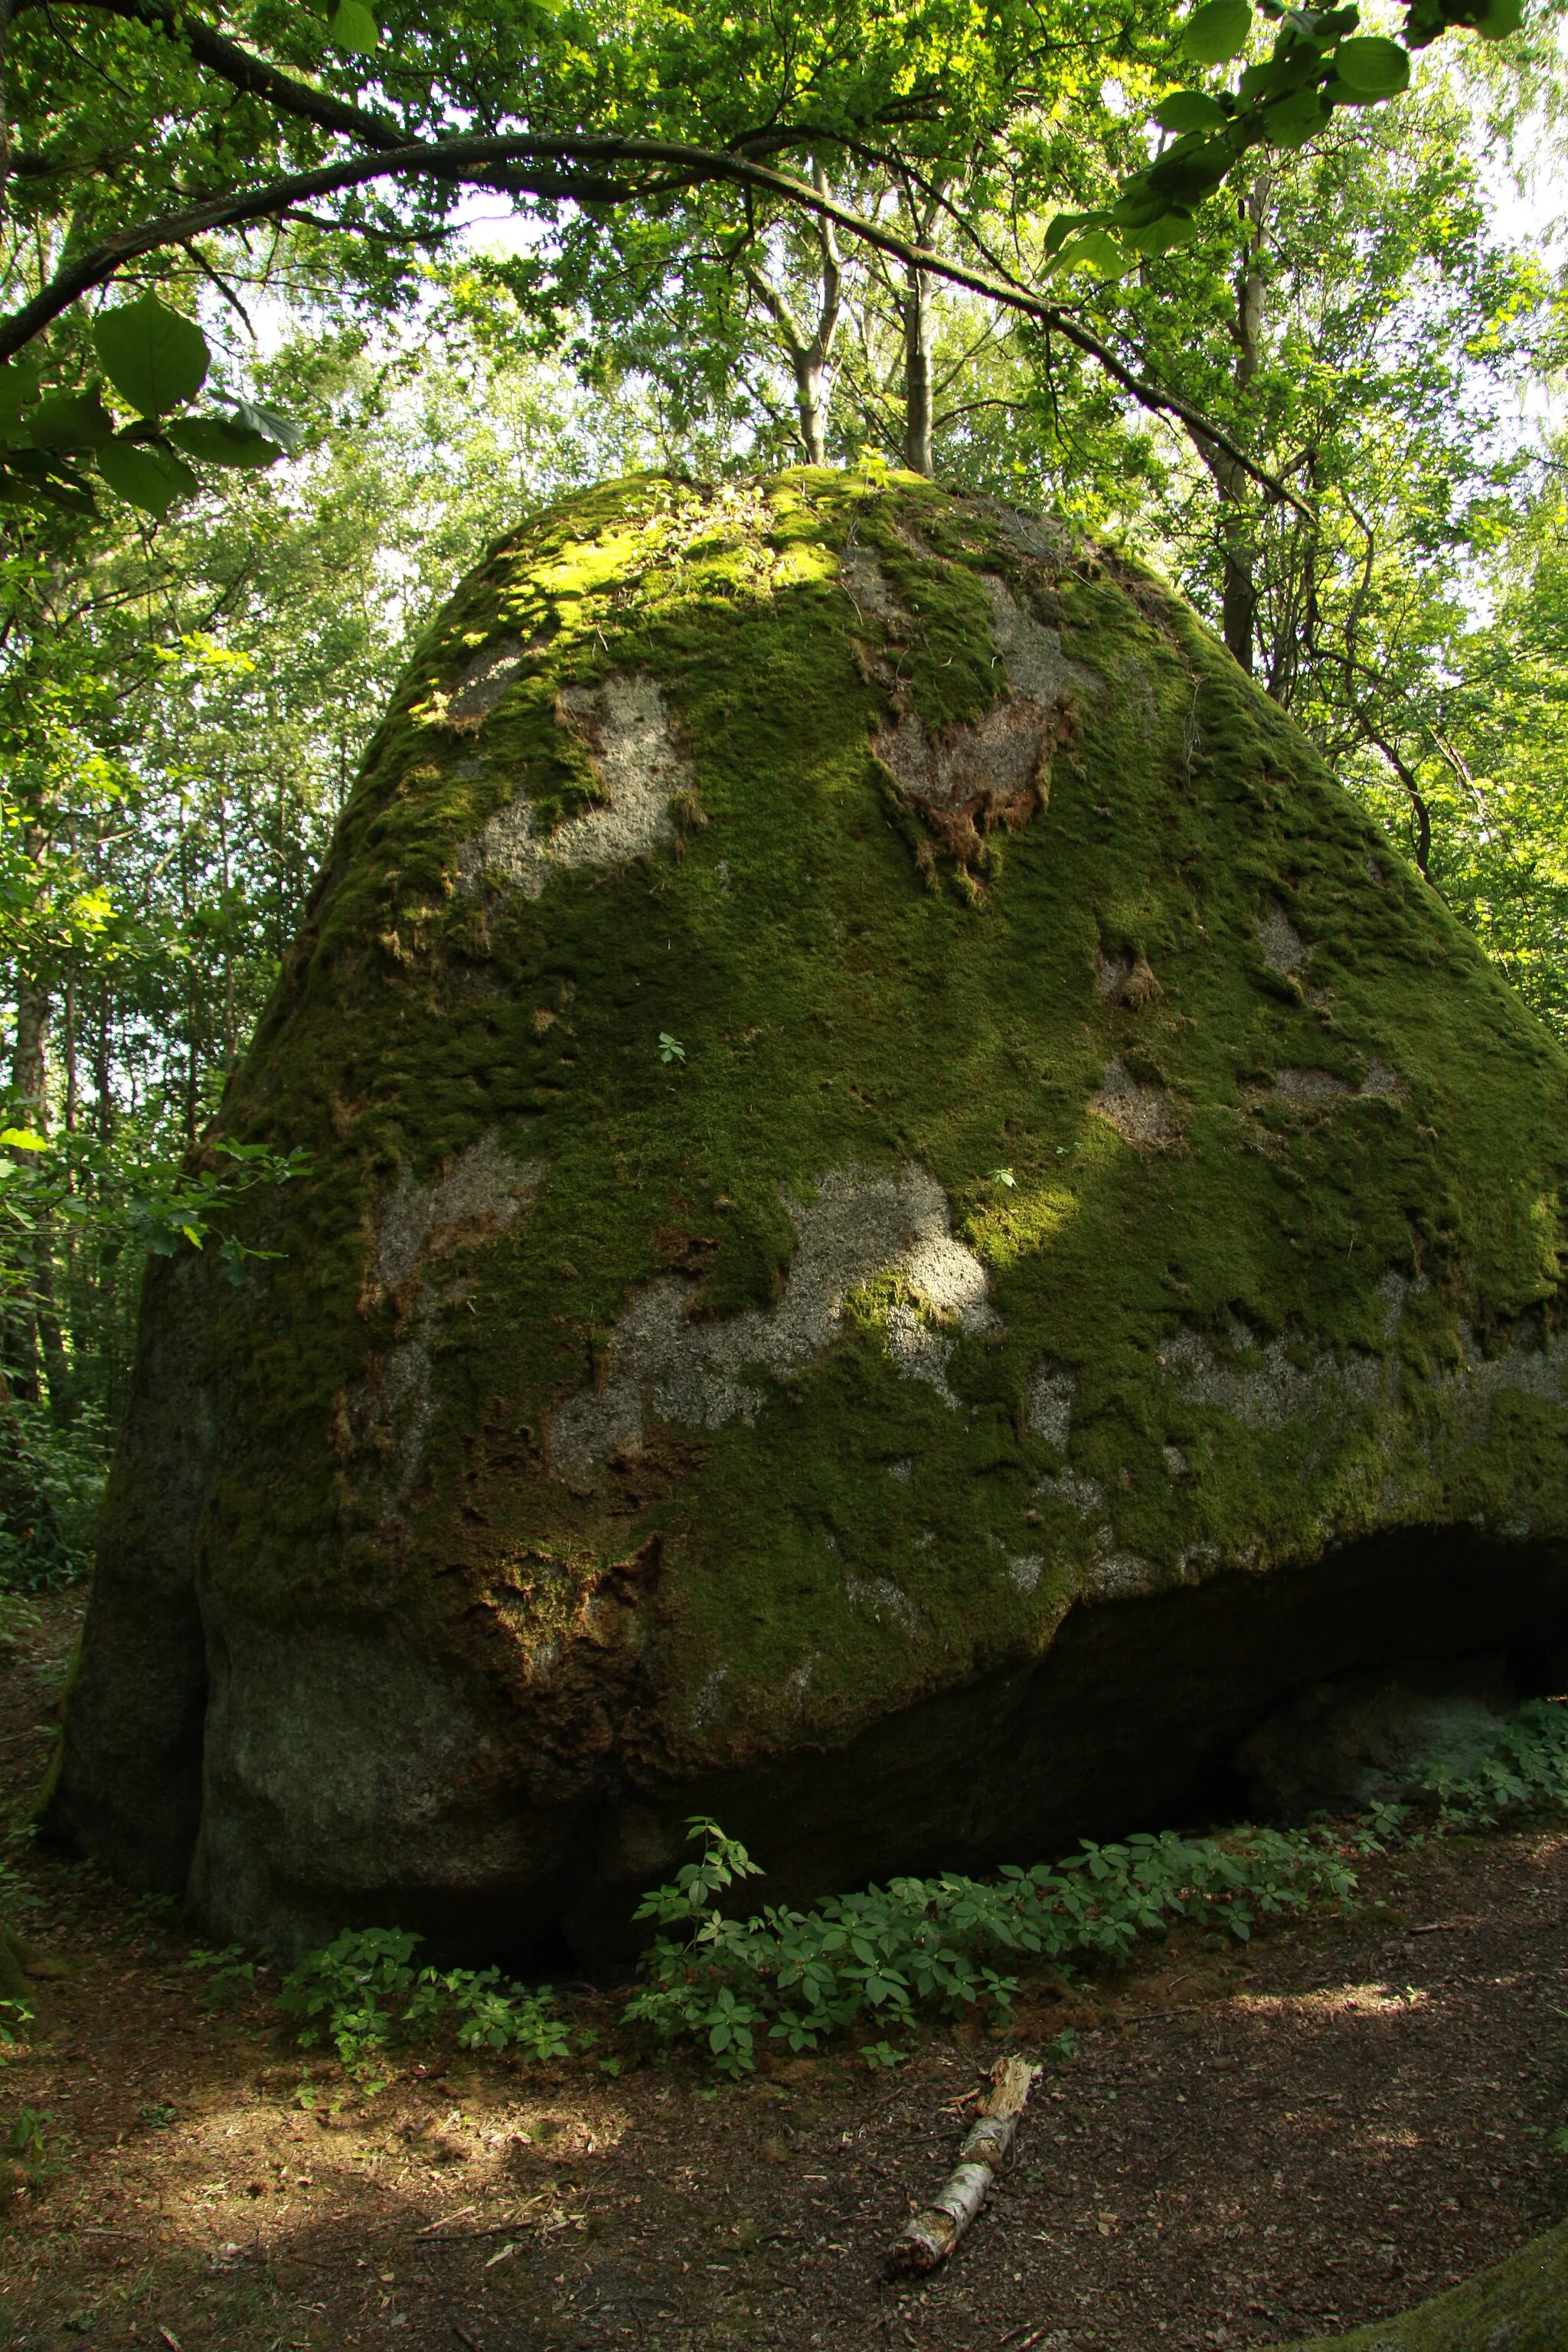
362 1993
804 1975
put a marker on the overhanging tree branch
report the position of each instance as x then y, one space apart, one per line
531 165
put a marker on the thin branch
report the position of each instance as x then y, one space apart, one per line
518 164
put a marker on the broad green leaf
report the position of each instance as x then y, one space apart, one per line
1294 119
70 420
23 1138
271 423
1190 171
154 357
354 28
1503 17
149 478
29 476
1061 227
1217 31
1377 67
1190 109
18 385
213 441
1097 250
1161 236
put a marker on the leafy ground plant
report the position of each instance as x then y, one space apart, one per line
801 1976
1527 1771
363 1994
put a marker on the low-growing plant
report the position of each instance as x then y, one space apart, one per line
362 1993
229 1975
27 2143
802 1976
1527 1771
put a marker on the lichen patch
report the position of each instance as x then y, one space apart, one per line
483 684
1314 1090
624 726
1142 1114
479 1197
1284 949
479 1194
1039 671
1049 1402
867 585
861 1227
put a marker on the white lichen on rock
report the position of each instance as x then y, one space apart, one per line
481 1194
1048 1404
476 1199
624 725
1038 669
861 1226
1140 1113
1284 949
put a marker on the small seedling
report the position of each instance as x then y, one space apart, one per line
1005 1177
670 1049
160 2117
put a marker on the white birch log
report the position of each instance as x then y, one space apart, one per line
932 2236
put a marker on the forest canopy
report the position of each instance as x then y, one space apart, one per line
301 310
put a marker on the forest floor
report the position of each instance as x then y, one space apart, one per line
1246 2146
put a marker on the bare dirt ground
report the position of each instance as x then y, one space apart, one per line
1244 2149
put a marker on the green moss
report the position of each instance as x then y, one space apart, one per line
1519 2306
837 1010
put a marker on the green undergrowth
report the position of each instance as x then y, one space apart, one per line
799 1977
728 1986
364 1995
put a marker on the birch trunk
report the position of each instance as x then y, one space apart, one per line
932 2236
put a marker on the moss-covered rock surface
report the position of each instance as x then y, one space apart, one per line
913 1217
1520 2306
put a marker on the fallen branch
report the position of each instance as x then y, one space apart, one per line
932 2236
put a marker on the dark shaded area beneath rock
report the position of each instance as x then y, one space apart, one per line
1129 1723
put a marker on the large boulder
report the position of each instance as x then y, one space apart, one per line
914 1221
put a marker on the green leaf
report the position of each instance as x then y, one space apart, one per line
354 28
28 475
1217 31
1376 67
147 478
213 441
70 420
1097 249
1503 17
256 417
1190 109
22 1138
1061 227
1159 236
1292 120
153 357
18 385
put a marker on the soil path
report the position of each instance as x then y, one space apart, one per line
1243 2148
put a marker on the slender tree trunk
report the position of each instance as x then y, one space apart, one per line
27 1075
808 355
918 393
35 1349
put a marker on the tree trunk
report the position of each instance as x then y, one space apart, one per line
918 394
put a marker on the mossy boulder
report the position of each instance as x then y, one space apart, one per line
1518 2305
913 1220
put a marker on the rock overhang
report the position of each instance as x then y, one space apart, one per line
871 1096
